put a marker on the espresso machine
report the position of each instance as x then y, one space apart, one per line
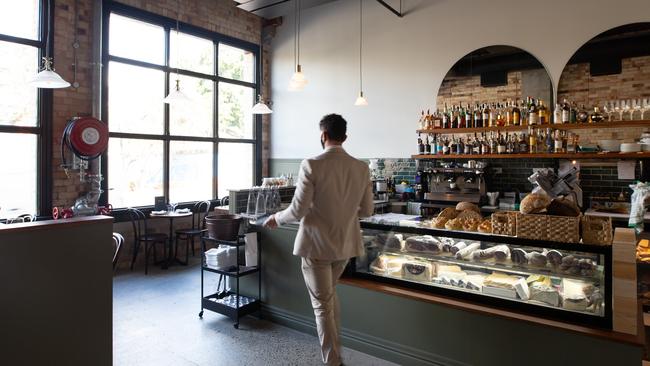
448 183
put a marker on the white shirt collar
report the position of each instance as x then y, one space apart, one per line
334 148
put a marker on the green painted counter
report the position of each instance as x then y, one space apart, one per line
413 332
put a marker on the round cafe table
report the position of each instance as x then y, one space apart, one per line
171 216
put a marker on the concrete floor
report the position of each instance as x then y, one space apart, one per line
155 322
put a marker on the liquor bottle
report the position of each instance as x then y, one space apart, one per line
596 116
573 113
501 115
572 143
478 116
510 144
523 145
460 147
557 114
427 146
445 117
542 114
516 143
508 112
532 141
492 116
516 114
582 116
566 112
501 146
485 115
420 145
485 148
445 147
454 117
558 144
437 120
532 112
524 113
421 123
468 118
467 147
565 141
476 147
549 141
493 144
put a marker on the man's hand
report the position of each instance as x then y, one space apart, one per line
270 222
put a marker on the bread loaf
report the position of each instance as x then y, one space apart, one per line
534 203
462 206
561 206
449 213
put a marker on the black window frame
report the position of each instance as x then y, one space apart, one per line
169 24
43 130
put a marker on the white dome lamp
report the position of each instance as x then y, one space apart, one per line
176 96
47 78
361 100
260 107
298 80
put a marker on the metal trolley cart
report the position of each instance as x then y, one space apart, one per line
227 302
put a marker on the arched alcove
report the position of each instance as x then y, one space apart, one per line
495 74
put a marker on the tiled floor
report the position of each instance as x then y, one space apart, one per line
155 322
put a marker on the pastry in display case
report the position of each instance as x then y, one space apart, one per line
568 281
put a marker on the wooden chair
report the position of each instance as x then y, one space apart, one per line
141 234
118 240
199 212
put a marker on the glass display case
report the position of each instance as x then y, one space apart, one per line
571 282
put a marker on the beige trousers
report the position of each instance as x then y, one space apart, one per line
321 277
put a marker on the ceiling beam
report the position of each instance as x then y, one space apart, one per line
392 10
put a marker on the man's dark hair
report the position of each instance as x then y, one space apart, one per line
335 126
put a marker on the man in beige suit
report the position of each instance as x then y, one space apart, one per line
332 192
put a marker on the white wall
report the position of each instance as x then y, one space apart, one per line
406 59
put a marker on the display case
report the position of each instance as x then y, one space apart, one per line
569 282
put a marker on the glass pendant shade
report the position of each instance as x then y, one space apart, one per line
47 78
261 107
361 100
176 96
298 80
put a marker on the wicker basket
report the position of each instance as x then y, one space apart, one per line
504 223
564 229
597 230
532 226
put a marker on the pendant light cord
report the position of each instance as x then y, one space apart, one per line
298 41
295 35
47 28
178 15
361 45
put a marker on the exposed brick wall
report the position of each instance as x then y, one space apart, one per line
576 83
467 89
220 16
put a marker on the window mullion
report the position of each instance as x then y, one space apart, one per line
166 149
215 120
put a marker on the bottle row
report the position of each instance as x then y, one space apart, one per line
529 112
537 140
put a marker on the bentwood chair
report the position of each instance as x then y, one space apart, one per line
118 240
199 212
142 235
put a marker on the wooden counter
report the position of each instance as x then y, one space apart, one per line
56 289
394 290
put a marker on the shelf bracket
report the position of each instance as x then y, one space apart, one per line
392 10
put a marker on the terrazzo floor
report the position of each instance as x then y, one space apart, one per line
155 322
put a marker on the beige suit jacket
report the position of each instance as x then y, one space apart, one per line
332 192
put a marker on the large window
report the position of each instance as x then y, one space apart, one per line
23 123
192 151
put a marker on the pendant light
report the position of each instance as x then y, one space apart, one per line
47 78
361 100
298 79
176 96
260 107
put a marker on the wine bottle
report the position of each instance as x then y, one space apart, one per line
566 112
420 145
542 113
532 112
516 114
427 147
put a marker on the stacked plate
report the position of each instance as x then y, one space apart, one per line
224 257
630 147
